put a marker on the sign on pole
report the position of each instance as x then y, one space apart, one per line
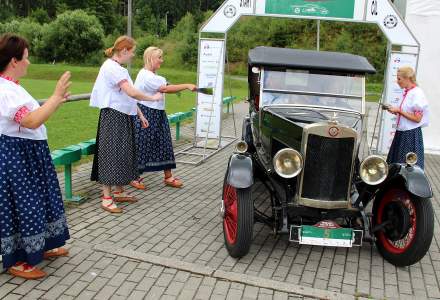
211 72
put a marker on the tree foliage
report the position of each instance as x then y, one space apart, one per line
73 37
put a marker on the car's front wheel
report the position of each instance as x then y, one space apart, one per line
238 220
407 226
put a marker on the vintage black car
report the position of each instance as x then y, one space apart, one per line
302 140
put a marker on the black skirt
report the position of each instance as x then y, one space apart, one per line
115 161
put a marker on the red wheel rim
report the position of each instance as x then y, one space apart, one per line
231 212
399 246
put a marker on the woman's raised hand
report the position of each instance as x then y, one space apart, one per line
61 92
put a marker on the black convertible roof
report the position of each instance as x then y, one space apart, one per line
310 60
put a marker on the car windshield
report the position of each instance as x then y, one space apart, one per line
301 87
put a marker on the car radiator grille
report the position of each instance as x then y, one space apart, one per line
327 168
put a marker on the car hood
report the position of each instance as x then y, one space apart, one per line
302 116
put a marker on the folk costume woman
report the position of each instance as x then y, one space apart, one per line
115 162
412 115
154 144
32 221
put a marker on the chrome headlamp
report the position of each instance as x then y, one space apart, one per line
241 147
373 170
288 163
411 158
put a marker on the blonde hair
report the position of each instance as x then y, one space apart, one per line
148 55
407 73
121 43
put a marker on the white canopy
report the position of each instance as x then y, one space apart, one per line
423 17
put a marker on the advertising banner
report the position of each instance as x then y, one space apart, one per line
393 97
319 8
211 72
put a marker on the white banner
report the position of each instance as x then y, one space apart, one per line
393 97
211 72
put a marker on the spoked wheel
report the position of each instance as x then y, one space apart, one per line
407 226
238 219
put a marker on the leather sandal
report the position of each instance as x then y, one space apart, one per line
123 196
107 207
56 252
174 182
137 184
26 271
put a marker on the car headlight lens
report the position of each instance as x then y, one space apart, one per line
374 170
411 158
241 147
288 163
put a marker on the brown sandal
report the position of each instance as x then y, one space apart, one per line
56 253
137 184
115 210
123 196
26 271
174 182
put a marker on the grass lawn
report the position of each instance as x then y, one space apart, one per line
76 121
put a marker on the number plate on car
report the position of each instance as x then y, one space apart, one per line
336 237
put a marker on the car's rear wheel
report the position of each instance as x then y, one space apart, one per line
409 228
238 220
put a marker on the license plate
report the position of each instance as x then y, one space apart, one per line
312 235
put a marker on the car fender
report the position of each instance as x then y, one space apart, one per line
414 179
240 171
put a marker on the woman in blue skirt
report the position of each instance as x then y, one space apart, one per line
154 145
32 221
412 114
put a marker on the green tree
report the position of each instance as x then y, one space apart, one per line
104 10
74 37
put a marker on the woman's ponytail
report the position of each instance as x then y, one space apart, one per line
109 52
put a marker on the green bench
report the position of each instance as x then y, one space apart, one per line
177 118
228 101
66 157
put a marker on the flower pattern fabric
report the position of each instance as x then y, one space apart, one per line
32 218
154 144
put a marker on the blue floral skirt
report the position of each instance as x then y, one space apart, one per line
154 145
32 218
404 142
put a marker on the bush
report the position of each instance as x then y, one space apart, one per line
73 37
26 28
40 16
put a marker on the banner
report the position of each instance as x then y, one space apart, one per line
393 97
318 8
211 72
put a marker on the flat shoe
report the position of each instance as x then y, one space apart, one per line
138 185
115 210
56 253
175 182
34 274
